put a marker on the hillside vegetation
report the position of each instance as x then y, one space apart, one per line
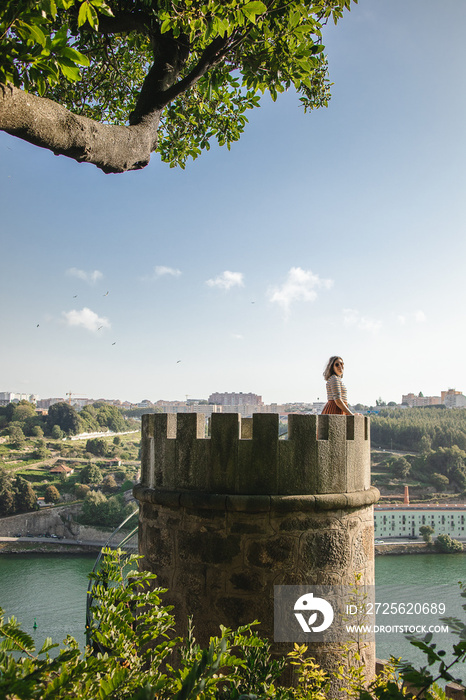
436 439
36 460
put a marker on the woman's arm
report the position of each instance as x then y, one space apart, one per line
341 404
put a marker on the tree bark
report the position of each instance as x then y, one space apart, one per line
42 122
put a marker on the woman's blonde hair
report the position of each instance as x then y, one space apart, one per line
328 371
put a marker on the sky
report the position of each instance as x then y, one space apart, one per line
340 231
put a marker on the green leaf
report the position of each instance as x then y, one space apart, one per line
166 25
254 7
71 72
33 32
92 16
82 15
60 38
75 56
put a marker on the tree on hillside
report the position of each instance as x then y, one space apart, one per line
91 474
109 82
40 450
25 496
97 447
37 431
7 495
440 481
63 415
22 411
52 494
399 467
98 510
56 432
17 439
101 416
449 461
81 491
109 483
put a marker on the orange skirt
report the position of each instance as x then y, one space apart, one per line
331 408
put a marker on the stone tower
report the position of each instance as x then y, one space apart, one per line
225 518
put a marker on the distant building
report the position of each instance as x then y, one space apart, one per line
405 520
61 469
46 403
235 399
145 403
413 400
453 399
7 397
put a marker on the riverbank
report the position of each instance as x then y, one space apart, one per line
404 548
49 547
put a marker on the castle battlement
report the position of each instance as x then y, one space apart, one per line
322 454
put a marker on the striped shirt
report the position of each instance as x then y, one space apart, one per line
336 389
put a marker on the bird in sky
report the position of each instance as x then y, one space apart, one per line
99 328
37 326
75 296
114 343
105 295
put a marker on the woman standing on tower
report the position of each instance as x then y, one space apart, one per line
337 397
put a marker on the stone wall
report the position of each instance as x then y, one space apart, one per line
58 521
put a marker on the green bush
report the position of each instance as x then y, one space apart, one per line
99 510
91 474
445 543
132 651
52 494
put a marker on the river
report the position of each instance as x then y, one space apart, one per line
50 590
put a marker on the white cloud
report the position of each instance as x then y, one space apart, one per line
300 285
86 319
416 317
161 270
89 277
352 317
227 280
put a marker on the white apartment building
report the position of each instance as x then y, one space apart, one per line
7 397
235 399
405 520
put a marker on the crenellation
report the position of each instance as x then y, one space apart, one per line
298 456
322 455
331 455
262 477
224 452
192 451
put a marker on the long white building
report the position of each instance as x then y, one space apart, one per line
405 520
7 397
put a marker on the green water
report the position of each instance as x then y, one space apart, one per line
47 589
51 589
419 578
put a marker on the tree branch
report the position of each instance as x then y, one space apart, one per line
42 122
212 55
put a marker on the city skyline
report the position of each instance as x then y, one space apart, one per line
335 232
451 398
